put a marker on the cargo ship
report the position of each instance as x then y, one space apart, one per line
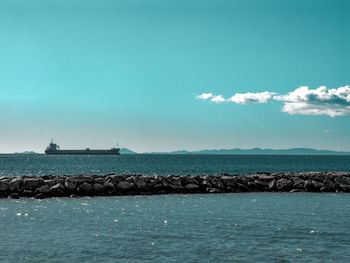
53 148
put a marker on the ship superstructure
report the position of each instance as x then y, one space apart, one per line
53 148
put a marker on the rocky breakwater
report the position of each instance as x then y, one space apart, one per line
113 184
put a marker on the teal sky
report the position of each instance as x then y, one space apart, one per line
93 73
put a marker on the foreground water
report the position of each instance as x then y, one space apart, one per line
254 227
18 165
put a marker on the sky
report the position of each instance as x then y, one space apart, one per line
157 75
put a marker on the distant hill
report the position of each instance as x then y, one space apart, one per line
254 151
26 152
126 151
257 151
294 151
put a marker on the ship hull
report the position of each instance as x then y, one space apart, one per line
84 152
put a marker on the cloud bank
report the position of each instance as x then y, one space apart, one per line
302 101
205 96
248 98
321 101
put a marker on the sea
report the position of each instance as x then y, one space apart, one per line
234 227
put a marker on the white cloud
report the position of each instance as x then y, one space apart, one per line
205 96
218 99
321 101
302 101
248 98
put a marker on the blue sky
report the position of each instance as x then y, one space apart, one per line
93 73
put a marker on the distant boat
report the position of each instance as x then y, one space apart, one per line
53 148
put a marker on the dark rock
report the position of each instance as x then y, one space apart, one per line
284 184
151 183
242 180
98 187
59 180
296 190
329 183
15 184
298 183
188 180
100 180
272 185
57 189
318 185
213 190
157 187
33 182
58 186
84 179
165 184
313 186
216 183
252 186
228 181
115 179
108 187
40 196
14 196
125 186
84 188
4 185
326 189
112 184
261 184
51 182
266 178
45 189
342 180
70 184
27 193
176 182
175 187
242 187
139 183
345 188
205 184
169 178
191 187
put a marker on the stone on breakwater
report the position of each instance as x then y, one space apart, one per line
191 186
84 188
15 184
108 187
284 184
97 187
125 186
139 182
91 185
3 186
32 182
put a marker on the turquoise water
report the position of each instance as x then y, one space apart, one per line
253 227
18 165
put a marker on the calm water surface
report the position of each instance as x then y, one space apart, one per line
18 165
252 227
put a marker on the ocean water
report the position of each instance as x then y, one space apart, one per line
18 165
251 227
244 227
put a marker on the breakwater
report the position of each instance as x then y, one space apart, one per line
114 184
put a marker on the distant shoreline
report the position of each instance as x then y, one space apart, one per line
189 154
116 185
235 151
